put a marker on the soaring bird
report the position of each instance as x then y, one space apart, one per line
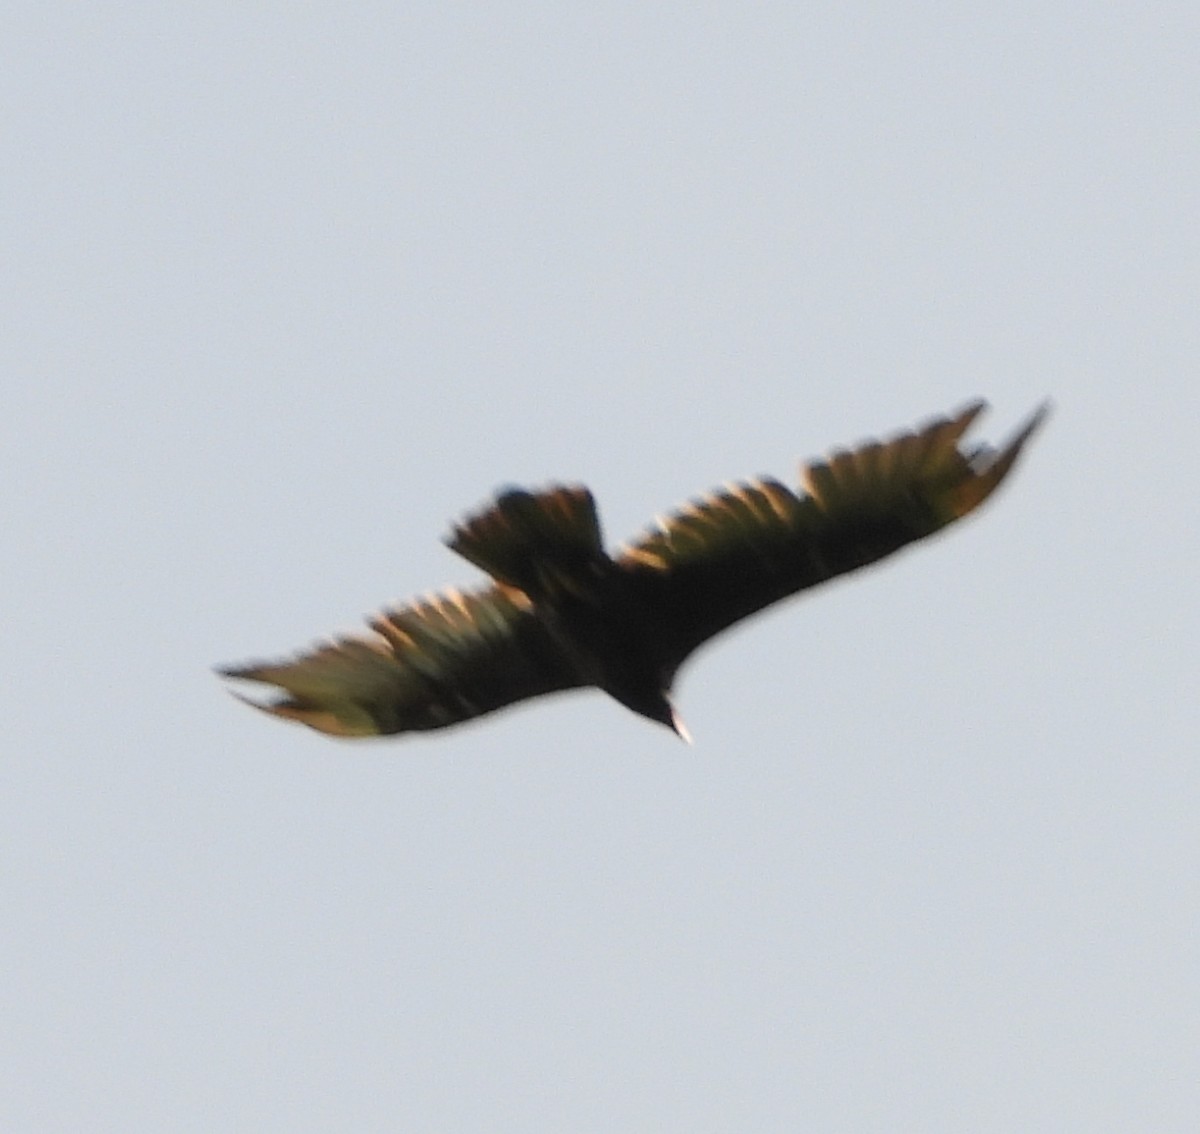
560 613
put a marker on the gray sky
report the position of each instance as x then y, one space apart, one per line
289 287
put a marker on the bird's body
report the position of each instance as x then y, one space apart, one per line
549 546
561 613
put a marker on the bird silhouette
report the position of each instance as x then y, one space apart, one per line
560 613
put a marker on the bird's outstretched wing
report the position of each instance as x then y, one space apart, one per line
746 546
436 662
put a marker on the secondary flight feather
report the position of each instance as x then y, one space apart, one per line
560 613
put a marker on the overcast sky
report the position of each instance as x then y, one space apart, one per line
288 288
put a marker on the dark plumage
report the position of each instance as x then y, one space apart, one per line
561 613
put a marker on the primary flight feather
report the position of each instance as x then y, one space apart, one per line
560 613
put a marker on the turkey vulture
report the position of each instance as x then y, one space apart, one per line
560 613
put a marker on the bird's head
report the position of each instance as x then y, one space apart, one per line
657 706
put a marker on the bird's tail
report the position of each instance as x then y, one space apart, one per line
540 542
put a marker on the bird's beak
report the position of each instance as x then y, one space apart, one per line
679 727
